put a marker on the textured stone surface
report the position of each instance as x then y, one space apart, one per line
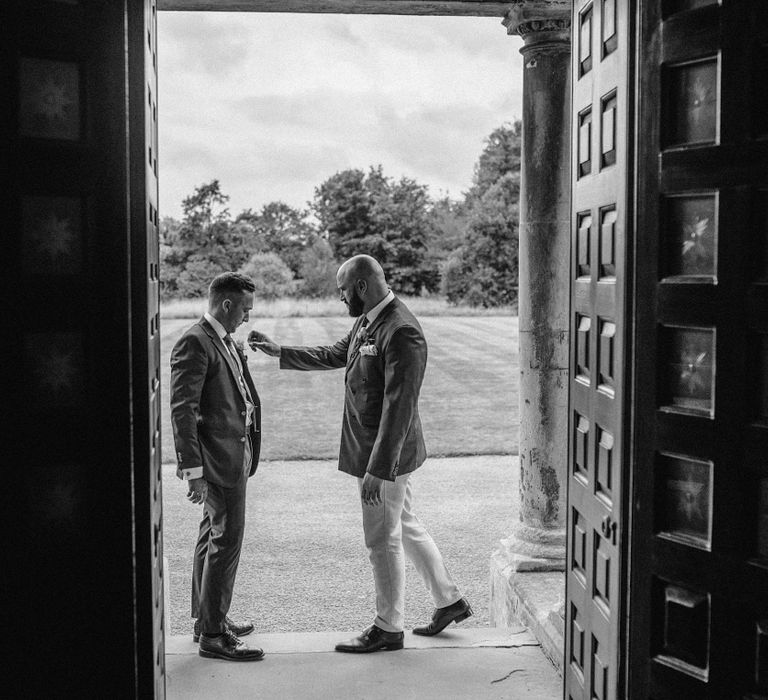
550 20
544 280
543 422
537 541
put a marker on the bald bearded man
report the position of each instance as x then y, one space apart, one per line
384 355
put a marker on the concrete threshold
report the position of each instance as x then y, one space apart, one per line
459 663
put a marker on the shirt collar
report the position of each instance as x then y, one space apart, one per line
220 330
376 310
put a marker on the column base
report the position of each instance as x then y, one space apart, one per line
519 563
532 549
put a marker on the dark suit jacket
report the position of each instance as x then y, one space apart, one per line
381 431
208 408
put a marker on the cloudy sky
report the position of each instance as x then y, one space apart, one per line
273 104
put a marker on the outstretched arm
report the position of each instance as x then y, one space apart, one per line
301 357
260 341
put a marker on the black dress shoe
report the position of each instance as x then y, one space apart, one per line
373 639
229 647
442 617
241 630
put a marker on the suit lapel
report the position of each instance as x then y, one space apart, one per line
354 343
251 386
369 331
226 354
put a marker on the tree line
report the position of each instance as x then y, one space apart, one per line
466 249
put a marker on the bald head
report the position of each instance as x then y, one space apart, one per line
362 283
363 267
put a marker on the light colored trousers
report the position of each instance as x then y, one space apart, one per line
392 530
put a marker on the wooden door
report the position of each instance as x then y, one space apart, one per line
699 545
150 578
80 351
600 220
600 215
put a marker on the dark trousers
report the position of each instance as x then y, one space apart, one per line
217 555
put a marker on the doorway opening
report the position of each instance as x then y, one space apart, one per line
303 544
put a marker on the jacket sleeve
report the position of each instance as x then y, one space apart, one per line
319 357
189 365
405 359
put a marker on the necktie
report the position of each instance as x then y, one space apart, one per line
233 351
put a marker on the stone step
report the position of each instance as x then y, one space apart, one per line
460 663
454 636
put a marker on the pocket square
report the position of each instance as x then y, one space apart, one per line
369 350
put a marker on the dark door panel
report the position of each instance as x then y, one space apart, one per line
699 542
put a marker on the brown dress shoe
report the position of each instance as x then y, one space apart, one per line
240 629
229 647
442 617
373 639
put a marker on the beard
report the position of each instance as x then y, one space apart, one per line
355 304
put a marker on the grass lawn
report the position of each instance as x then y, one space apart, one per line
304 567
331 306
469 402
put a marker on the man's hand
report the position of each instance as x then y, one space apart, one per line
259 341
371 490
198 490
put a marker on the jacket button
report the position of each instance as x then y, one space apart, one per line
242 413
242 439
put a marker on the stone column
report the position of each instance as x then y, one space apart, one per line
537 541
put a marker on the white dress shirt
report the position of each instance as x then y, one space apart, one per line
376 310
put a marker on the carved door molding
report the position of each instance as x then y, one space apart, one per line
601 219
145 300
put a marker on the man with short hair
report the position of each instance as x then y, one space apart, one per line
216 419
385 355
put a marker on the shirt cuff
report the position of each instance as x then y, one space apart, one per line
196 473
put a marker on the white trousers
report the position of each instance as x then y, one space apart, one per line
392 530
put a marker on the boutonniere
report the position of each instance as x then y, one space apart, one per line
240 349
371 350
